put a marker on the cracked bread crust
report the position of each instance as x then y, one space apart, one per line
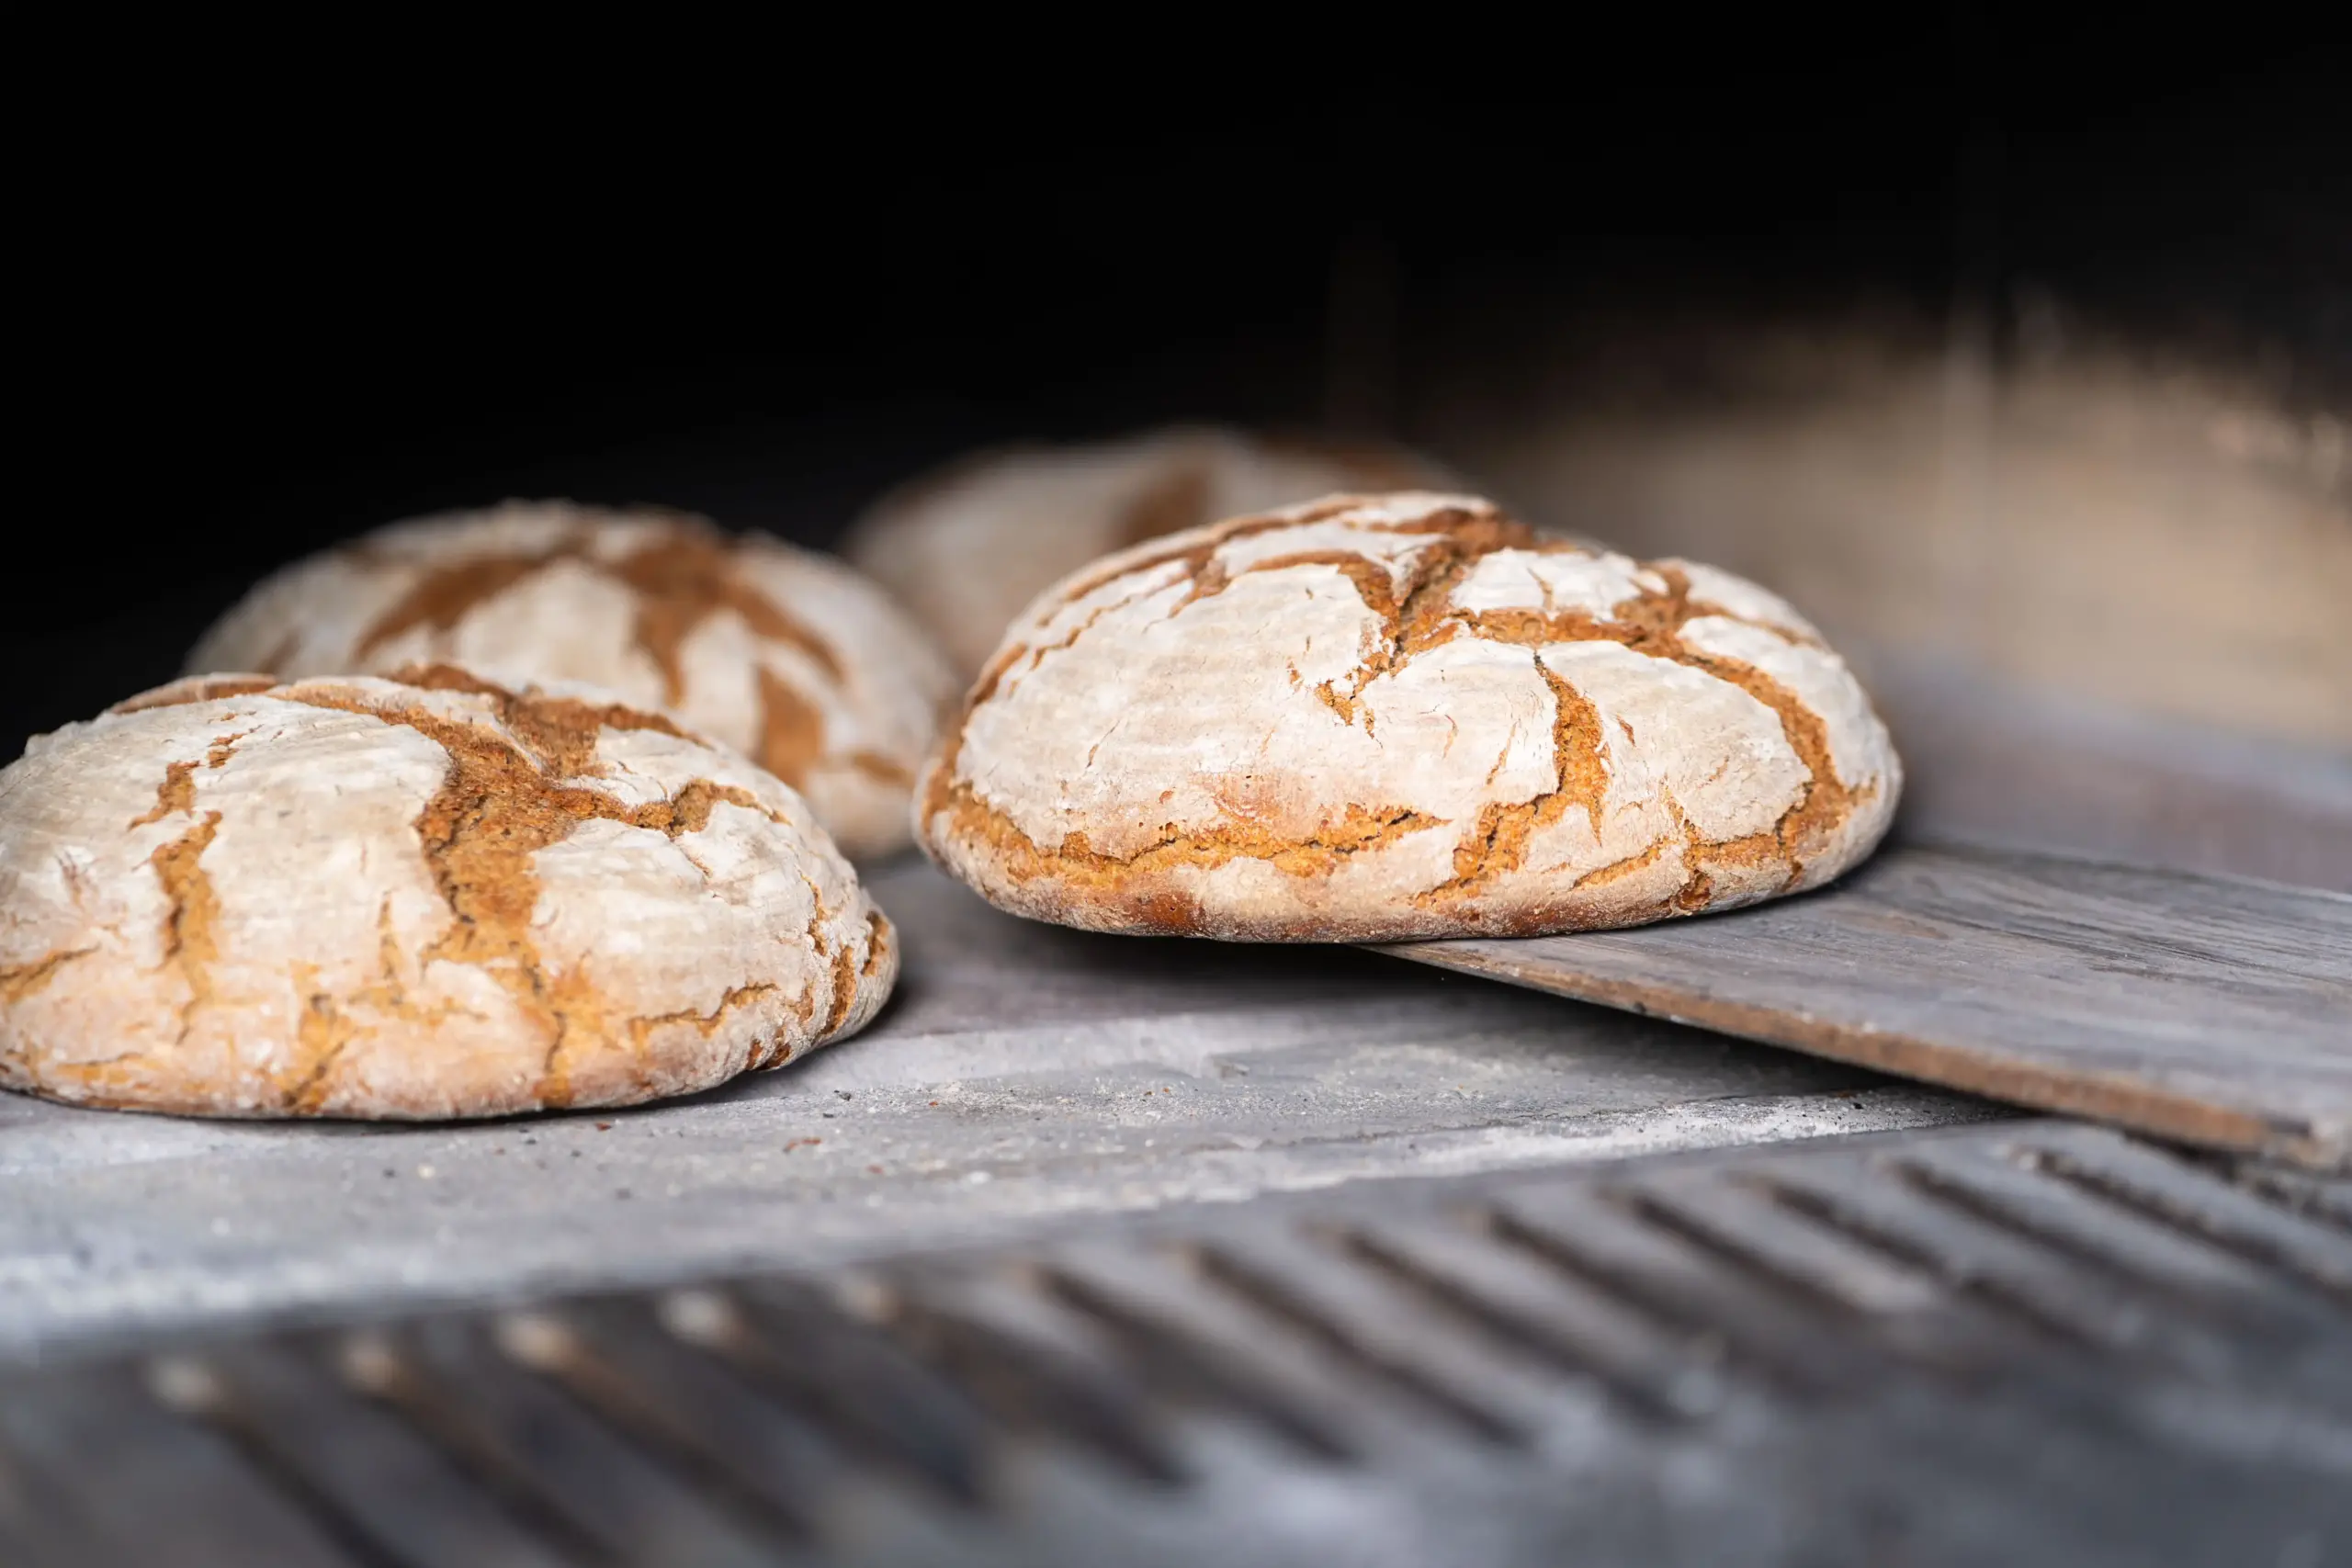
1403 716
787 656
967 547
432 897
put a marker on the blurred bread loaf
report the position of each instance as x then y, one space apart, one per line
789 657
967 547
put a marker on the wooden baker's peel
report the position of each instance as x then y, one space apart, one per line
2211 1011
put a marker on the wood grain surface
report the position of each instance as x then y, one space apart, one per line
2211 1011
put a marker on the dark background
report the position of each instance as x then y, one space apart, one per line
282 317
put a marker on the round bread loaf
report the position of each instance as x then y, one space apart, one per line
787 656
966 548
1381 718
434 898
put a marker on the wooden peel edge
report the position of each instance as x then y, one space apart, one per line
2119 1100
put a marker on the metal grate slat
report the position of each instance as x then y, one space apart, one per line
2297 1241
124 1469
2034 1344
391 1493
498 1393
1719 1301
1460 1276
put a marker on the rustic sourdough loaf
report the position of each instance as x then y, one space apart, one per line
430 897
1401 716
967 547
789 657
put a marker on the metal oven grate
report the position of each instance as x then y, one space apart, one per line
2022 1343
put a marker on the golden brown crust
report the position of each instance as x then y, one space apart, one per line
516 761
1133 893
1652 624
792 730
196 689
498 809
778 652
683 575
21 980
690 574
560 731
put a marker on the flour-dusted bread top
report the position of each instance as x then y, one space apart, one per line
1400 716
966 548
789 657
363 897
